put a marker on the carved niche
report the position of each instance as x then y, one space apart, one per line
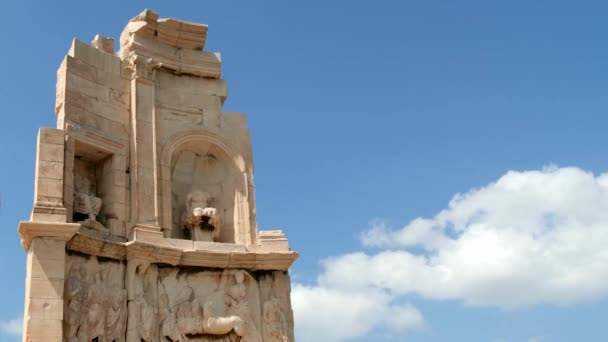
95 187
203 171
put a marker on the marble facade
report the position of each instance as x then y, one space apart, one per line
143 226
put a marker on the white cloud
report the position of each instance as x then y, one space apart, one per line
529 238
536 339
332 314
12 327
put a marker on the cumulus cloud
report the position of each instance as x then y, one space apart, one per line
12 327
531 237
335 314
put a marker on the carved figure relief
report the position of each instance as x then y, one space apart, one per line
217 320
227 310
207 306
142 303
180 314
172 304
96 305
237 303
201 220
93 324
76 294
116 315
276 311
275 324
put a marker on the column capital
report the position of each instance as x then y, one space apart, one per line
142 67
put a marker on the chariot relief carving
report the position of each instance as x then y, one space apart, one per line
207 306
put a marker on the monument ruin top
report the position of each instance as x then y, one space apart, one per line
143 226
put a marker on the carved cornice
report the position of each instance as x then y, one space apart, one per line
52 230
97 139
102 246
180 61
154 248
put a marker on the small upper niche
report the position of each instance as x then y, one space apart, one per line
92 186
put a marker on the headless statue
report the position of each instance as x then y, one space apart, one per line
84 201
201 220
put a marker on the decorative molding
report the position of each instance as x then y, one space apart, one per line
28 230
100 141
142 67
180 61
154 248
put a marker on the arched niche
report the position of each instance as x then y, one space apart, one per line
201 161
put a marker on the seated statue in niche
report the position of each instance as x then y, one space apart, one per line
85 202
201 220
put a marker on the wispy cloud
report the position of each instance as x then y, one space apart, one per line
12 327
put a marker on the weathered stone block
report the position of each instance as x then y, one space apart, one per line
49 169
45 308
42 330
52 136
51 152
94 57
48 249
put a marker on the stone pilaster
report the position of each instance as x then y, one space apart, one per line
48 187
145 205
45 245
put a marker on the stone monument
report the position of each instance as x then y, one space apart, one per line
143 226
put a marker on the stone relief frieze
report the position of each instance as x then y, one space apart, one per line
95 300
173 304
276 310
208 306
142 301
275 323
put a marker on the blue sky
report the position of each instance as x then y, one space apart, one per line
366 116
